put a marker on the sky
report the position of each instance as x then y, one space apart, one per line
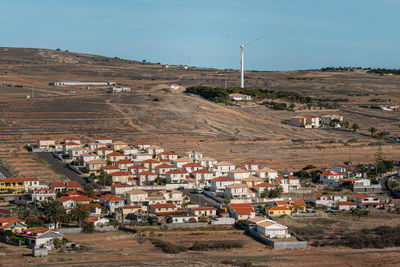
295 34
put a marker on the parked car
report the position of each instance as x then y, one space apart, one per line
199 190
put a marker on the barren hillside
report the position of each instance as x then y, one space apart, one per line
181 122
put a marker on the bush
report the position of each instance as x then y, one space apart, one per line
87 227
168 247
220 244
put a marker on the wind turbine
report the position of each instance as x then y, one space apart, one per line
242 46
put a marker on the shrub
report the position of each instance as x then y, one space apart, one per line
220 244
168 247
87 227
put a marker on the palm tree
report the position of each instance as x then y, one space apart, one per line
80 213
372 130
355 127
54 211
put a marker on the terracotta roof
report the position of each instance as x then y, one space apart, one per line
136 191
141 143
11 179
344 203
164 166
242 209
362 196
110 197
330 173
237 186
278 208
298 203
249 163
115 154
265 185
222 179
150 161
124 161
75 193
120 185
224 163
7 221
163 206
75 199
192 164
67 184
109 167
91 219
71 144
204 208
318 197
137 167
71 138
45 139
283 177
120 173
351 180
103 138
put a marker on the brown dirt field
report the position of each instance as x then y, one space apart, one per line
122 249
180 122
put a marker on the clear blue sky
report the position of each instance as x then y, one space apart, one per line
296 34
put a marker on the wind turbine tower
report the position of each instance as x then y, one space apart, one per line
242 46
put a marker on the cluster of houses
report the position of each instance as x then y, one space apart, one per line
310 121
142 164
341 202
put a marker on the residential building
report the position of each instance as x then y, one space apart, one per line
204 211
94 166
46 143
241 211
111 202
267 174
136 197
120 190
65 186
120 177
252 181
97 221
239 97
115 156
12 185
146 178
365 201
162 208
40 236
250 166
219 184
168 155
331 178
12 224
103 140
238 174
176 176
270 228
203 177
327 119
305 121
289 183
346 205
279 211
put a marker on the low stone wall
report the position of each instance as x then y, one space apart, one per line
185 225
78 230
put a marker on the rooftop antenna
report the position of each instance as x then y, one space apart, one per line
242 46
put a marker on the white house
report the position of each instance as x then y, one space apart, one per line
331 178
40 236
241 211
305 121
269 228
346 205
267 174
237 191
239 97
224 167
136 197
239 174
219 184
176 176
366 201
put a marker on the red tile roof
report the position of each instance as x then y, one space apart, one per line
164 166
120 185
109 167
347 203
71 138
222 179
11 179
204 208
66 184
110 197
31 179
150 161
163 206
192 164
249 163
137 167
7 221
242 209
330 173
120 173
75 193
132 207
265 184
123 161
278 208
362 196
45 139
115 154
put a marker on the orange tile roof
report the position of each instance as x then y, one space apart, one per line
265 184
362 196
164 166
76 193
330 173
222 179
75 199
30 179
169 153
45 139
242 209
120 185
249 163
347 203
298 203
109 167
123 161
163 206
137 167
67 184
11 179
192 164
110 197
132 207
150 161
115 154
120 173
278 208
204 208
7 221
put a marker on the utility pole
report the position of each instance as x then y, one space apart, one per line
33 92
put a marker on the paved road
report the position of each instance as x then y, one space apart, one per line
200 199
387 189
62 167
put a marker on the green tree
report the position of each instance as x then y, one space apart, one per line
24 212
89 190
346 124
309 106
355 127
380 166
88 227
275 193
372 130
54 211
79 213
292 106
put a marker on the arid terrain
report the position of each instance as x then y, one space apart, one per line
123 249
181 122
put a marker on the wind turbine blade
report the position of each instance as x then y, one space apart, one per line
252 41
227 36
